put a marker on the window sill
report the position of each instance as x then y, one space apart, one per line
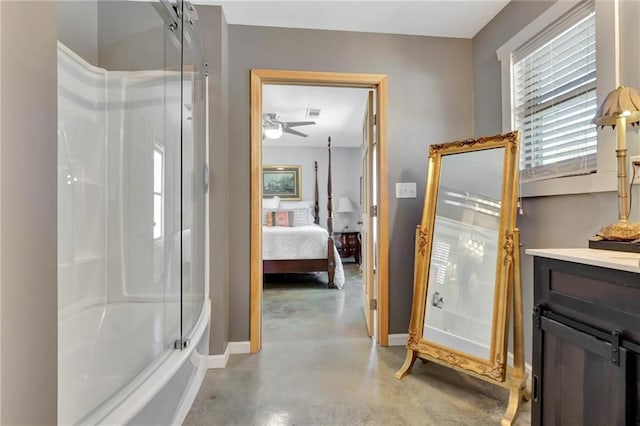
585 184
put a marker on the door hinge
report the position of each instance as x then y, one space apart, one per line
374 211
373 304
615 347
375 119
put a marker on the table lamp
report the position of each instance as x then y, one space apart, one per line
345 206
620 107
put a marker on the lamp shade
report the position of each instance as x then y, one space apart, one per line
344 205
624 101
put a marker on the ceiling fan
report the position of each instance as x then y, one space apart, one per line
274 128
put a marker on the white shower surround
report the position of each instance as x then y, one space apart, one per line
116 364
82 183
88 369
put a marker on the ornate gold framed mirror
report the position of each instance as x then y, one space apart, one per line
467 264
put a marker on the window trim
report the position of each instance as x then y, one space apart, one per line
604 179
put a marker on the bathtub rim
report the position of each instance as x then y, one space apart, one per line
124 405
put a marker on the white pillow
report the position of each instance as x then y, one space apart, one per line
291 205
301 216
295 204
271 203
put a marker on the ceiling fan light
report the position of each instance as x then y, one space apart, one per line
273 132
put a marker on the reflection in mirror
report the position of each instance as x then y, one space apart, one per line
462 277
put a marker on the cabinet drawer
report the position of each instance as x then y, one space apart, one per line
600 297
352 239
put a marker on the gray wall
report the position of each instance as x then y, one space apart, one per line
152 48
78 27
553 221
28 244
430 101
215 39
1 209
487 103
346 169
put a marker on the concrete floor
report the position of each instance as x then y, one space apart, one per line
318 367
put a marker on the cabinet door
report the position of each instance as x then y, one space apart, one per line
575 381
635 359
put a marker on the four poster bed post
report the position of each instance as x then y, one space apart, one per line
312 265
316 206
331 267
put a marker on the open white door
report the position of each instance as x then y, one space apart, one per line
368 265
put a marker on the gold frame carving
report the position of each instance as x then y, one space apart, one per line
507 285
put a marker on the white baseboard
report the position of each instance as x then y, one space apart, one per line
398 339
220 361
239 347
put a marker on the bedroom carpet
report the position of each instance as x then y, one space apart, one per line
318 367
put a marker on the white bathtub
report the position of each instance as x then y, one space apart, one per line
103 347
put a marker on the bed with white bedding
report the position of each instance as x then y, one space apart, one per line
292 240
282 246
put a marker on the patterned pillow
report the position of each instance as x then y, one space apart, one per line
306 204
280 218
302 216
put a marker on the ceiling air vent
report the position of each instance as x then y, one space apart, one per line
312 113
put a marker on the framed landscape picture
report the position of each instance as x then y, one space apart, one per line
283 181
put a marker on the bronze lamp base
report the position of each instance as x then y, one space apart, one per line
621 230
619 236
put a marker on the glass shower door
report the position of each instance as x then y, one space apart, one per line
194 172
119 199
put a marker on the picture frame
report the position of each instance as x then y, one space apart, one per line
283 181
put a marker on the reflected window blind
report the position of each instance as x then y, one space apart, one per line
441 258
554 83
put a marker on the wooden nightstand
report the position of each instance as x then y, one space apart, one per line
348 244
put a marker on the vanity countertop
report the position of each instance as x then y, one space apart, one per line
620 260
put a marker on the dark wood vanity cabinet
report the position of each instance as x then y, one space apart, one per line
586 344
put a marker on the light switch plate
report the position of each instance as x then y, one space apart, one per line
405 190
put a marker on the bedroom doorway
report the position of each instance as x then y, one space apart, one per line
377 187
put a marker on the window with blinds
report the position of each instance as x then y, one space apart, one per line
554 97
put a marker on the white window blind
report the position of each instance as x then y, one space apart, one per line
554 97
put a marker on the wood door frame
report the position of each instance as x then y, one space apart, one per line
259 77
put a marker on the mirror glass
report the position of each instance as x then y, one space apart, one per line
464 253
